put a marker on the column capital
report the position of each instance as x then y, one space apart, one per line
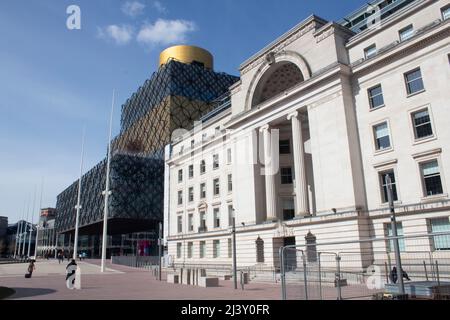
296 114
265 127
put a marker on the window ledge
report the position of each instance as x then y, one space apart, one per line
424 140
385 205
383 151
435 197
415 93
376 108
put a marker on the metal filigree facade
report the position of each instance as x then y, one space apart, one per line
174 97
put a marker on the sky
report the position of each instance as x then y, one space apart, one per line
55 81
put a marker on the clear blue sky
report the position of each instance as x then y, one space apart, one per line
54 80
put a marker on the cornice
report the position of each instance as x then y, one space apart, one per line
311 23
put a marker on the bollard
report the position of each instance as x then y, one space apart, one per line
242 280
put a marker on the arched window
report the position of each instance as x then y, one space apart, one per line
280 77
259 250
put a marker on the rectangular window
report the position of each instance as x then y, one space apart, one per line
431 177
230 215
179 250
414 82
191 222
441 242
230 183
382 139
288 209
406 33
202 249
370 51
202 191
216 187
191 194
180 224
230 248
216 218
445 13
180 175
422 124
286 175
180 197
401 241
216 161
192 144
190 249
202 221
229 156
191 171
376 97
384 186
216 248
202 167
285 147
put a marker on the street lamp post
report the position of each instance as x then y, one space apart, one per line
107 192
234 251
78 206
401 285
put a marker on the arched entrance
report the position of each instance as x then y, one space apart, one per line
281 76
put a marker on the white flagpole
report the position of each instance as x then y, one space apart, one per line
18 234
32 221
26 225
107 192
38 221
78 206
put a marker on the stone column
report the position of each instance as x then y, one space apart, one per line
301 187
271 204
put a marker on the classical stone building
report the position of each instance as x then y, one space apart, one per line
301 150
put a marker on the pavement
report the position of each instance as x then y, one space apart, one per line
117 283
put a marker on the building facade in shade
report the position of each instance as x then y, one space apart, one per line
46 233
183 89
22 238
317 121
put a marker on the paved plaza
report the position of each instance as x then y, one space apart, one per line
117 283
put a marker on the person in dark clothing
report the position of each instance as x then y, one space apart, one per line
31 268
394 276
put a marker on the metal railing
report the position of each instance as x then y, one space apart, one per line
365 269
144 262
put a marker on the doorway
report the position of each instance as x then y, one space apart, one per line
290 255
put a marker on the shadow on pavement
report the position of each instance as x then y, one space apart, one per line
30 292
6 292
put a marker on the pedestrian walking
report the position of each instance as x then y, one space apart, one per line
31 268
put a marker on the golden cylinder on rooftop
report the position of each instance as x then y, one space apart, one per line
187 54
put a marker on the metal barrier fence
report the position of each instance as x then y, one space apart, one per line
136 261
364 269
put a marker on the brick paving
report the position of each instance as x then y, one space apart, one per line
118 283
